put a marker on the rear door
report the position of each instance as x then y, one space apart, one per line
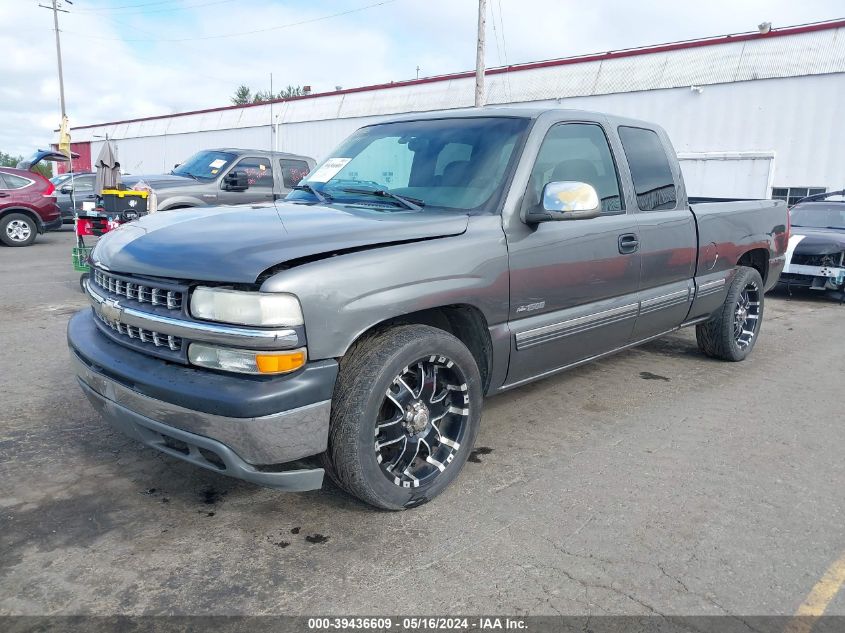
666 227
573 283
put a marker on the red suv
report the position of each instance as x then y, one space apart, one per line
27 205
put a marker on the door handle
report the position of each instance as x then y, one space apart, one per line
628 243
3 194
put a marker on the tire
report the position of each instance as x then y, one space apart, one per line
360 456
722 337
17 229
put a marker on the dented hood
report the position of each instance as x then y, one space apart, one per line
236 244
818 241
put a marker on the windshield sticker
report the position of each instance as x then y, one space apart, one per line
328 170
217 164
214 171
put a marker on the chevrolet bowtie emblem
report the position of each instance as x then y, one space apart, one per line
111 310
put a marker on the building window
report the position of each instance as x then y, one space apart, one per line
791 195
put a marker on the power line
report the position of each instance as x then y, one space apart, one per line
256 31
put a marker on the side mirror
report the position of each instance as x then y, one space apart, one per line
235 181
566 200
66 189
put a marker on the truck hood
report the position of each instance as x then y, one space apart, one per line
819 241
160 182
236 244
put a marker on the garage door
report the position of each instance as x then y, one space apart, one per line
728 174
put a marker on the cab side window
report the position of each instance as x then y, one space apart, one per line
293 171
259 172
650 170
576 152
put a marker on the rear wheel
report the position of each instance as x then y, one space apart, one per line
405 414
733 331
17 229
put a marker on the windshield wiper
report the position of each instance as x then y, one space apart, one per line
185 173
322 197
414 204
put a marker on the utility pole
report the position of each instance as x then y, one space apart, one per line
59 55
479 54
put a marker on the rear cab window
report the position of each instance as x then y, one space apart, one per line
650 169
293 171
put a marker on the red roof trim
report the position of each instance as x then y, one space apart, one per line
630 52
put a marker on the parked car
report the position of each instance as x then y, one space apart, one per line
27 206
82 188
227 176
355 327
815 258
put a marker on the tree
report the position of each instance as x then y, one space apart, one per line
243 95
7 160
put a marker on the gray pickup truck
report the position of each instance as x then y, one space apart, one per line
227 176
355 327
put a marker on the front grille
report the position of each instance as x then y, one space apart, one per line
801 259
142 292
148 337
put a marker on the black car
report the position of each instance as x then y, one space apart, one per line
815 257
82 186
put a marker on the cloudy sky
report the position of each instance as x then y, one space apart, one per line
133 58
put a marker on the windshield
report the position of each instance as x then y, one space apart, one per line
819 215
205 165
458 163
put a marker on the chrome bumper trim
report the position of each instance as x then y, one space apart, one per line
248 338
271 439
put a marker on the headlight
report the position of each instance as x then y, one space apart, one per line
246 361
245 308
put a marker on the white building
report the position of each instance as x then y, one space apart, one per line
751 115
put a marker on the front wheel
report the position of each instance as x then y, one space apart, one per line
405 414
732 332
17 229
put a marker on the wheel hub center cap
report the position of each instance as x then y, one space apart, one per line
741 314
416 417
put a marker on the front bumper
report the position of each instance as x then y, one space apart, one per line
241 426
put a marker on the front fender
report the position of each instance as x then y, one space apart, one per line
344 296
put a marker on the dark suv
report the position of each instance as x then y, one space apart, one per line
27 206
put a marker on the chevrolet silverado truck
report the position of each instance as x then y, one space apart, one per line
226 176
354 328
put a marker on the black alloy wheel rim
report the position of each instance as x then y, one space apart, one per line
747 315
422 421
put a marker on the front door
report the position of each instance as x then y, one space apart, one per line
259 173
573 282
